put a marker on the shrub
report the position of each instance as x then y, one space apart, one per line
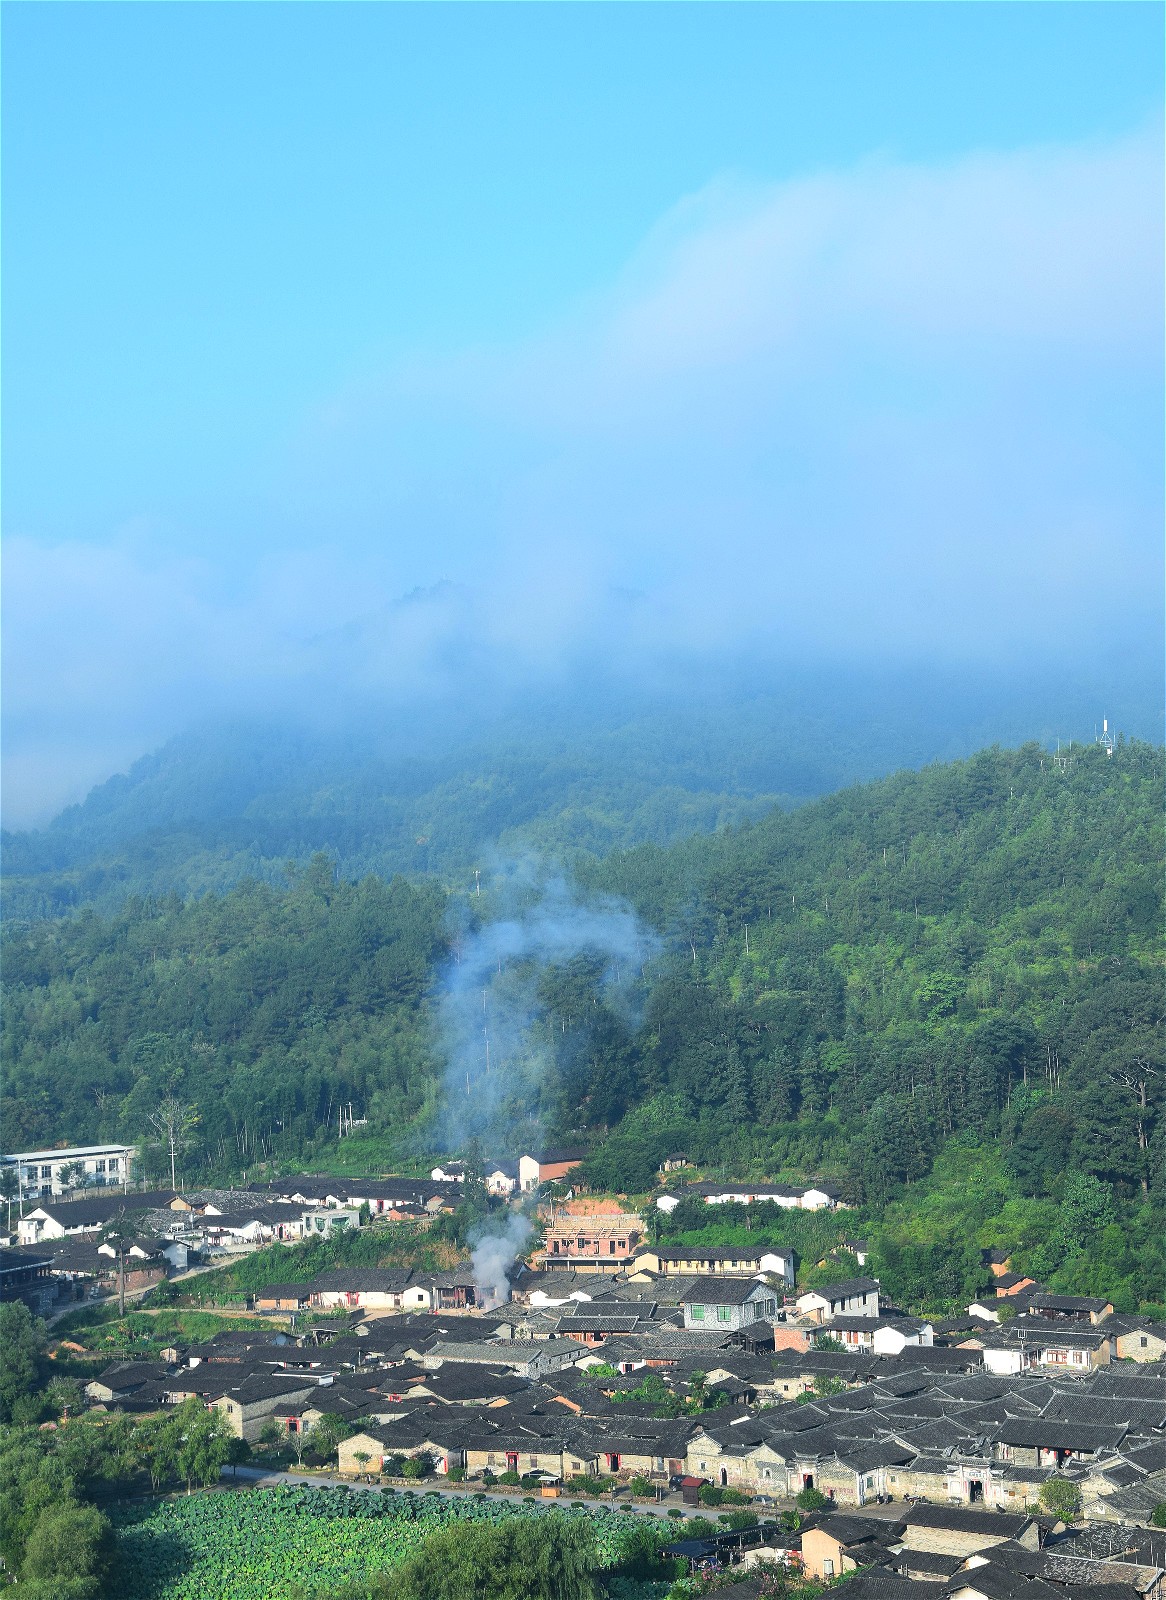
1158 1515
583 1484
1060 1498
700 1528
810 1500
710 1495
510 1479
675 1512
641 1485
456 1474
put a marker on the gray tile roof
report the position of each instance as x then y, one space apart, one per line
720 1291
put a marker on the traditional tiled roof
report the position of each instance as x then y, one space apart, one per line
965 1519
844 1289
720 1291
367 1280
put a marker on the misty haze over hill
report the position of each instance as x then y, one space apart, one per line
590 769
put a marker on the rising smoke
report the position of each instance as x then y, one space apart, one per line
498 1054
493 1035
495 1251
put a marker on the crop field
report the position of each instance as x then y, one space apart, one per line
278 1544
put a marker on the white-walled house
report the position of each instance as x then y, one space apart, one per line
449 1172
501 1177
369 1289
852 1297
698 1261
550 1166
884 1336
57 1219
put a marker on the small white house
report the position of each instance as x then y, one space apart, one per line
1003 1360
449 1172
884 1336
893 1335
501 1178
852 1297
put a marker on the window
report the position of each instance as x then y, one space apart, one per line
101 1166
1143 1341
114 1163
697 1313
724 1313
827 1568
46 1172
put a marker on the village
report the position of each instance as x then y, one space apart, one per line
684 1375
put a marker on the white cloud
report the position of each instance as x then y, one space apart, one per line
891 411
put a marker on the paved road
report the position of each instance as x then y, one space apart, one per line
261 1477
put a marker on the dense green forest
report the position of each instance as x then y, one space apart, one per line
942 990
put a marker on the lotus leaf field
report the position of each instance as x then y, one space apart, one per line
275 1544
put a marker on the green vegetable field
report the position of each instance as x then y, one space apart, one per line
275 1544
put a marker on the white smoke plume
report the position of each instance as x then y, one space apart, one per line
496 1047
495 1252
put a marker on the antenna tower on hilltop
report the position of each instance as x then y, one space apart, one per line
1107 739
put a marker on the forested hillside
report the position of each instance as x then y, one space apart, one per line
976 946
961 965
440 794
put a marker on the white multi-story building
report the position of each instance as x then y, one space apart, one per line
54 1172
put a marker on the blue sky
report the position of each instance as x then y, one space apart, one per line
311 307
